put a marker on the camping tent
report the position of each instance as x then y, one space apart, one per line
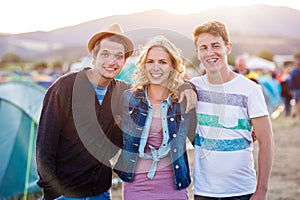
271 90
254 62
20 106
127 71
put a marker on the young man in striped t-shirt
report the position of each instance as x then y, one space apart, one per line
229 107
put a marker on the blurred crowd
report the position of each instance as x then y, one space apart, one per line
281 84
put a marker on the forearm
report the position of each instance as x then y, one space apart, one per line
46 168
265 161
264 135
46 146
188 91
192 126
46 164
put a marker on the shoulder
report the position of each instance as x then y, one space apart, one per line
68 77
197 79
123 84
65 83
241 79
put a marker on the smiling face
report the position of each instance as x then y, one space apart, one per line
212 52
158 66
110 59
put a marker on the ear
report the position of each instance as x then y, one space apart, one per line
197 53
228 48
94 55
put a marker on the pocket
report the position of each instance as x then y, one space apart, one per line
228 116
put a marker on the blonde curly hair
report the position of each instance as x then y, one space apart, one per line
176 77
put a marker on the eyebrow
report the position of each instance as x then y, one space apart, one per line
215 43
211 44
165 60
106 50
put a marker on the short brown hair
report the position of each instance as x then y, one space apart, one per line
213 27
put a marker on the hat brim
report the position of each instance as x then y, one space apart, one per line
99 36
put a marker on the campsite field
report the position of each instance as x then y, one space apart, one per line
285 178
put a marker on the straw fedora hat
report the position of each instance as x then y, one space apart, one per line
113 29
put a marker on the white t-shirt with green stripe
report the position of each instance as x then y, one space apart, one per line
223 163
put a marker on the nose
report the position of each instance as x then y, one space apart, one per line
111 59
209 50
156 66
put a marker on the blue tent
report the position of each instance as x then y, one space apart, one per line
128 69
271 90
20 107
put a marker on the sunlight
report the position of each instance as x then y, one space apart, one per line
34 15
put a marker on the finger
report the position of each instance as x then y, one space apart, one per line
181 96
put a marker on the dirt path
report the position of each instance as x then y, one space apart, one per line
285 178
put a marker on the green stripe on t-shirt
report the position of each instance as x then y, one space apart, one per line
213 121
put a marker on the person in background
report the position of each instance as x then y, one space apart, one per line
241 68
229 106
294 84
154 162
286 94
78 134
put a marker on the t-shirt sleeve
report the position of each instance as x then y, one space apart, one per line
256 103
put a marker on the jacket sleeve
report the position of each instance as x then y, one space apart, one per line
47 143
192 125
186 85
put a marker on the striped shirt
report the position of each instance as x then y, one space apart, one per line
100 92
223 142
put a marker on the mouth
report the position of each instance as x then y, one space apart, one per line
110 69
212 60
156 75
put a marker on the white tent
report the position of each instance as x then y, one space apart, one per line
254 62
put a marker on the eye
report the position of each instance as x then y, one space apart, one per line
162 62
149 61
120 56
104 54
202 48
216 46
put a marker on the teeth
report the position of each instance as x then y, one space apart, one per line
156 75
110 68
212 60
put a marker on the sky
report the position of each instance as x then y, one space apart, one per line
21 16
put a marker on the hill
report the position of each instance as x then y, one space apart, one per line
252 28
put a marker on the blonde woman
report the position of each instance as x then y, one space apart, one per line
154 162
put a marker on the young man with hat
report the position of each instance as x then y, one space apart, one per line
78 132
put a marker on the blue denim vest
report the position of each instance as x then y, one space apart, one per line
134 117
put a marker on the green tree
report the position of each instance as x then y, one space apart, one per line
57 64
10 58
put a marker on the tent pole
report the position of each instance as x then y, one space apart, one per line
29 156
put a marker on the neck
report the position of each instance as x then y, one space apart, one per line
220 77
157 93
97 79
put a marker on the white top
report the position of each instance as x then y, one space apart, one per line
224 164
